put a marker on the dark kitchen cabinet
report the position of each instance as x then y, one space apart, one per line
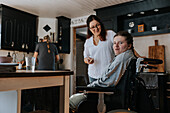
63 37
26 34
18 29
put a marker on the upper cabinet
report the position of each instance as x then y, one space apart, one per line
63 34
140 17
18 29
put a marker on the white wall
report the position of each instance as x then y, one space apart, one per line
51 22
8 102
141 45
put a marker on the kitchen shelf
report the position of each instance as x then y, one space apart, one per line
149 18
146 33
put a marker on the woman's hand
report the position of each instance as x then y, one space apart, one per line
89 60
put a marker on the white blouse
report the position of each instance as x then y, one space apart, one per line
102 53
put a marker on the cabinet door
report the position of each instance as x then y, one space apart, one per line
20 32
65 38
8 32
63 35
25 35
30 36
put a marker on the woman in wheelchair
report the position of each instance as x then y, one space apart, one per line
120 75
123 48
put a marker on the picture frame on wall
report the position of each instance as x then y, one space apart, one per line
141 28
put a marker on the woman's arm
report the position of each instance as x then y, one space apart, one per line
57 58
35 55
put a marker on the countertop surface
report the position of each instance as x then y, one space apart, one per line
36 73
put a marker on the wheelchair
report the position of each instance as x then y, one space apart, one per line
121 98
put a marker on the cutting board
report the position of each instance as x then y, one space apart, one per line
157 52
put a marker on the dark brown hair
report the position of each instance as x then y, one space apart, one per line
48 39
103 31
128 38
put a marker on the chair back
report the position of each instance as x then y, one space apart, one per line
121 98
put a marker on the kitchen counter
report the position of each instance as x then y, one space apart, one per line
22 79
36 73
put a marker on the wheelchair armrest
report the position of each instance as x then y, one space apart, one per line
85 89
151 61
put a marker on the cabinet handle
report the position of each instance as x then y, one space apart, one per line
12 45
60 31
60 47
26 46
22 46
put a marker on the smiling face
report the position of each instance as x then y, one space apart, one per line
95 27
120 45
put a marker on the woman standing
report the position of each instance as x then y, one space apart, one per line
98 51
47 54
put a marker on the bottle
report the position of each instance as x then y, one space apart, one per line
14 57
23 60
8 54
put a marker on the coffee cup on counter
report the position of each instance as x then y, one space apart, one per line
30 63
